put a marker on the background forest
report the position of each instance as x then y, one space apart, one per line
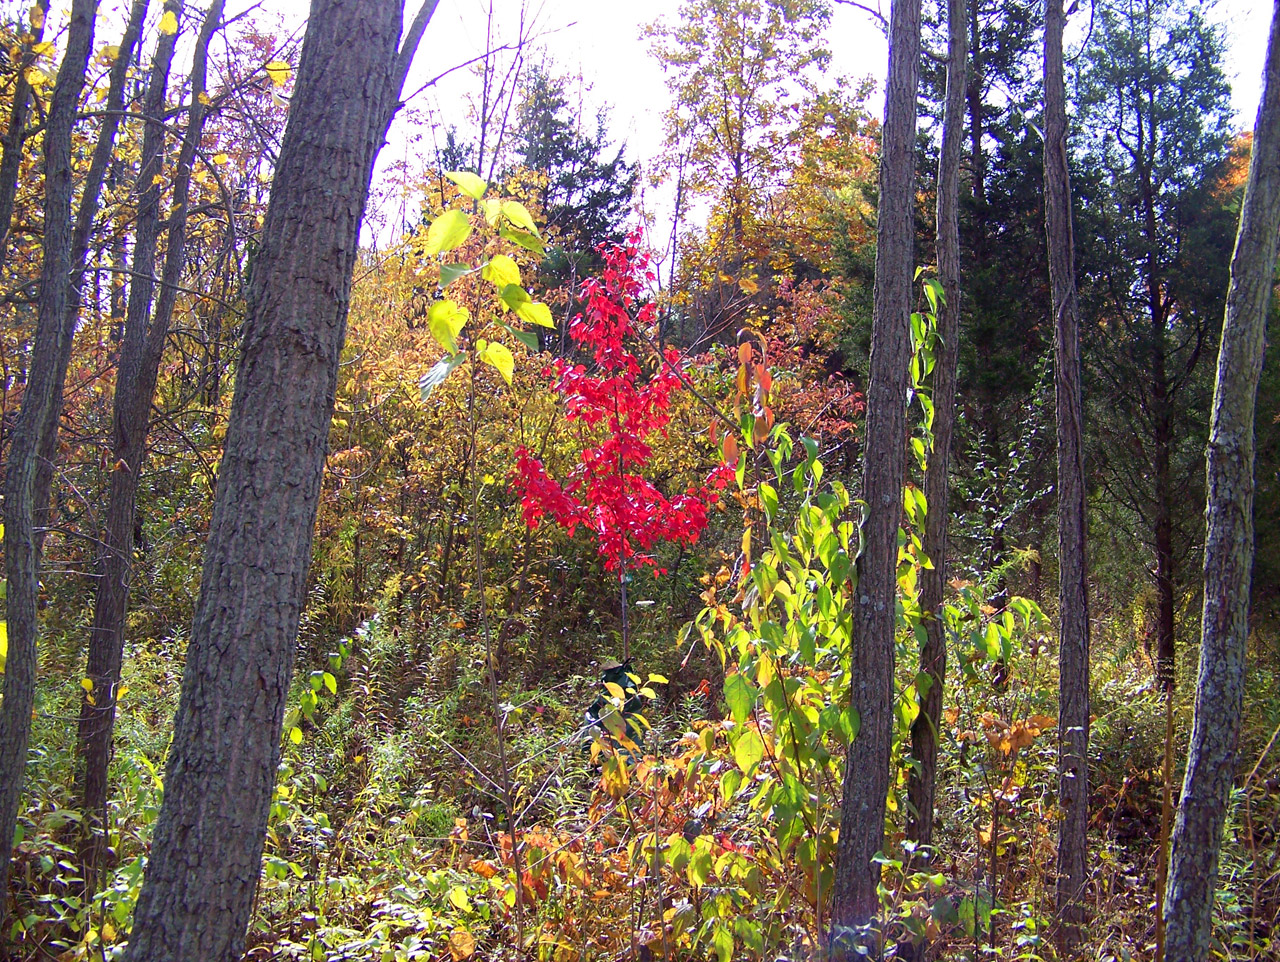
575 648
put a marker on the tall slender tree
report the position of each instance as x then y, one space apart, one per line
855 899
32 449
933 656
145 333
207 852
1073 598
1228 556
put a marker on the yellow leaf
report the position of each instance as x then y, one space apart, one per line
295 735
501 271
462 945
4 644
220 159
204 98
42 49
278 72
86 684
37 17
169 24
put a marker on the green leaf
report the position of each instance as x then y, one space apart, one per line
468 183
331 683
527 338
445 320
748 750
519 217
436 376
537 313
499 355
722 942
451 272
295 735
530 242
4 644
501 271
740 696
447 231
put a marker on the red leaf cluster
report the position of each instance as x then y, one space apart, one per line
605 491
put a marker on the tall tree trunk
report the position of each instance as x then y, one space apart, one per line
855 903
44 381
1228 554
140 354
207 850
1073 600
933 657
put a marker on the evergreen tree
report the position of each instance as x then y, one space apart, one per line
1154 108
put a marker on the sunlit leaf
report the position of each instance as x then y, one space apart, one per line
168 24
748 750
447 231
439 373
451 272
468 183
278 72
499 355
740 696
462 944
445 320
501 271
519 216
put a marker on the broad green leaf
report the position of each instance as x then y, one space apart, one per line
468 183
514 297
445 320
519 216
447 231
527 338
722 942
748 750
530 242
535 312
295 735
459 899
740 696
501 271
451 272
331 683
500 356
492 210
438 373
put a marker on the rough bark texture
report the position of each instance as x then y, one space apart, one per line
207 851
44 384
1073 601
140 353
1228 555
855 903
933 657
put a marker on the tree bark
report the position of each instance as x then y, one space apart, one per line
1073 600
1228 555
44 381
140 353
207 850
855 903
933 657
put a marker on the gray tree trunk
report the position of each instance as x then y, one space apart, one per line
855 903
933 657
140 353
1073 599
207 850
57 299
1228 553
